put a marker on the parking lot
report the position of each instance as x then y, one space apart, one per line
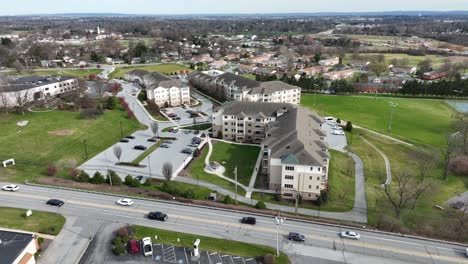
336 142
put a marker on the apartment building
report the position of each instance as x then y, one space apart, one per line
33 88
17 248
239 88
160 88
294 153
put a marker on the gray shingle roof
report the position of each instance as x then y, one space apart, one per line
271 87
13 243
254 108
238 80
28 82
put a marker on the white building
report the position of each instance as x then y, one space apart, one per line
294 153
32 88
329 62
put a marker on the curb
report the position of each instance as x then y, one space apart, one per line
260 214
85 249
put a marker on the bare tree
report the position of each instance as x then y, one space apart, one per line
424 161
404 192
167 171
155 128
100 87
448 152
18 66
462 127
3 99
117 152
21 99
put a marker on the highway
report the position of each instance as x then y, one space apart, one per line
323 245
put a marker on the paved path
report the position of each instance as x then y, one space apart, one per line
383 135
387 162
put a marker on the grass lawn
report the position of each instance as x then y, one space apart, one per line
197 170
161 68
56 138
414 120
147 152
242 156
248 75
40 222
341 184
65 72
198 127
399 155
412 60
200 192
222 246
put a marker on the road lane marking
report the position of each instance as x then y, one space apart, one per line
254 228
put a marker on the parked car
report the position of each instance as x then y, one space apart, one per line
11 188
175 130
139 147
194 145
171 129
124 140
139 177
133 246
196 132
125 202
171 115
249 220
350 235
187 132
153 139
130 137
157 216
338 132
164 146
466 252
296 237
187 151
147 246
176 118
55 202
168 142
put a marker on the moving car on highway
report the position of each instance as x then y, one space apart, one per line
10 188
55 202
296 237
125 202
157 216
249 220
350 235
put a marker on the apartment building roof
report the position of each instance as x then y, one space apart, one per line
271 87
138 72
294 138
256 109
28 82
12 245
238 80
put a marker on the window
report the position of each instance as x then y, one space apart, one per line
289 186
289 177
318 168
225 130
310 178
289 168
310 186
288 194
317 187
318 178
225 123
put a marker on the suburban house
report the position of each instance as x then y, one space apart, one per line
160 88
338 75
329 62
32 88
264 71
403 70
315 70
434 75
295 156
244 68
17 248
216 65
239 88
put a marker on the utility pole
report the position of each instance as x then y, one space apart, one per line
149 167
85 149
235 177
456 100
392 107
278 222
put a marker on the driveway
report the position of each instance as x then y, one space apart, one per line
336 142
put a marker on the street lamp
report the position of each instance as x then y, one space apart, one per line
392 107
278 222
149 167
458 92
315 94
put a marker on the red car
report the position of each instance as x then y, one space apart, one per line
133 246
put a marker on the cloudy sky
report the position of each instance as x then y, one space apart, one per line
14 7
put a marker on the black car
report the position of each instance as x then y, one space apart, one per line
249 220
124 140
152 140
296 237
157 216
55 202
187 151
176 118
130 137
139 177
139 147
196 132
164 146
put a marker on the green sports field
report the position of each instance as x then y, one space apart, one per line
161 68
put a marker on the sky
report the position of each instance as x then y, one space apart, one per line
16 7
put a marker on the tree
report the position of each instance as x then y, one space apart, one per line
128 180
18 66
52 170
404 193
228 200
82 177
147 182
99 110
167 171
21 99
378 68
114 178
424 161
462 127
425 66
260 205
117 152
100 87
349 126
196 152
155 128
341 86
111 103
447 153
3 98
98 178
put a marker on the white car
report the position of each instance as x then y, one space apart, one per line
11 188
147 246
350 235
338 132
125 202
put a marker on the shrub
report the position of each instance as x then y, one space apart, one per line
169 187
123 232
130 114
97 178
135 183
118 250
117 240
459 166
260 205
324 196
142 96
82 177
52 170
147 182
111 103
349 126
128 180
74 173
115 178
338 121
228 200
99 110
189 194
196 153
89 113
277 197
